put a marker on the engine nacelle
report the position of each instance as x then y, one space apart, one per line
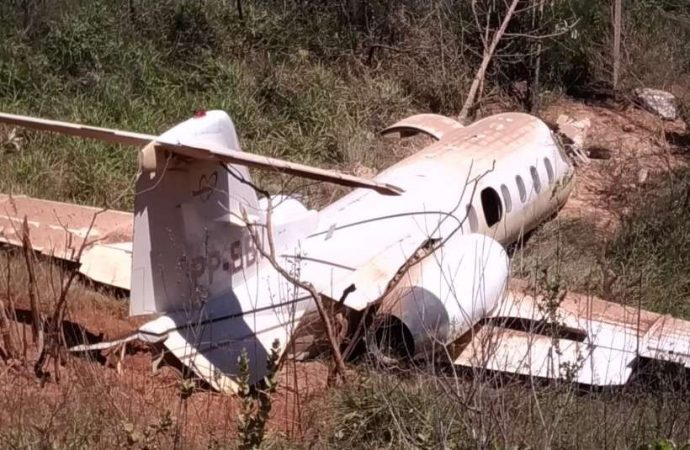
440 298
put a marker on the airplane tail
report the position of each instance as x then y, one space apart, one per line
189 236
194 262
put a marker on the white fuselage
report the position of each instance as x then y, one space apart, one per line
500 176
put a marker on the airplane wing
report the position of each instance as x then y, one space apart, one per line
198 150
584 339
59 230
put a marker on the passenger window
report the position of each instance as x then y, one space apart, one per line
535 179
506 198
472 218
491 204
549 169
521 188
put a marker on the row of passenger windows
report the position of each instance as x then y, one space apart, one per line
491 201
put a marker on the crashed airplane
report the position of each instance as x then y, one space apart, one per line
418 252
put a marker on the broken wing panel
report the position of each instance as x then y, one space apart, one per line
523 353
59 230
668 339
358 287
211 340
433 125
212 350
109 264
588 340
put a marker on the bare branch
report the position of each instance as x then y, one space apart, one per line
326 319
488 54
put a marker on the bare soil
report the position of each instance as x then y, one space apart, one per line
636 141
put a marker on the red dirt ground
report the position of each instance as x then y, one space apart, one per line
636 139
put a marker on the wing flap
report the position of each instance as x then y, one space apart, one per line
109 264
599 340
530 354
668 339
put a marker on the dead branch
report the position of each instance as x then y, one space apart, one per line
339 369
56 337
5 331
488 54
5 326
36 316
616 52
327 320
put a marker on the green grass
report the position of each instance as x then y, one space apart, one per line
646 263
91 64
425 411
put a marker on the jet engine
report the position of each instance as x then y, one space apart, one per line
439 298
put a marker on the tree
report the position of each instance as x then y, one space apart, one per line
617 19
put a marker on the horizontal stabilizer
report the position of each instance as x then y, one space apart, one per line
199 150
78 130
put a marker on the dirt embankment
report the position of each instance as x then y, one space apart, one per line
637 146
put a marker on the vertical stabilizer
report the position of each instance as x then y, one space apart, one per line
189 238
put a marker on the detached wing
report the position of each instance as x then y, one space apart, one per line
586 340
60 230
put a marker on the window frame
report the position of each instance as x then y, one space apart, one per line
507 199
491 198
550 174
522 189
536 180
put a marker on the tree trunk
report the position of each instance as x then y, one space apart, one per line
488 54
617 19
36 317
536 65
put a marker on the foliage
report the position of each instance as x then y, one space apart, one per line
382 412
312 81
423 410
645 264
255 412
